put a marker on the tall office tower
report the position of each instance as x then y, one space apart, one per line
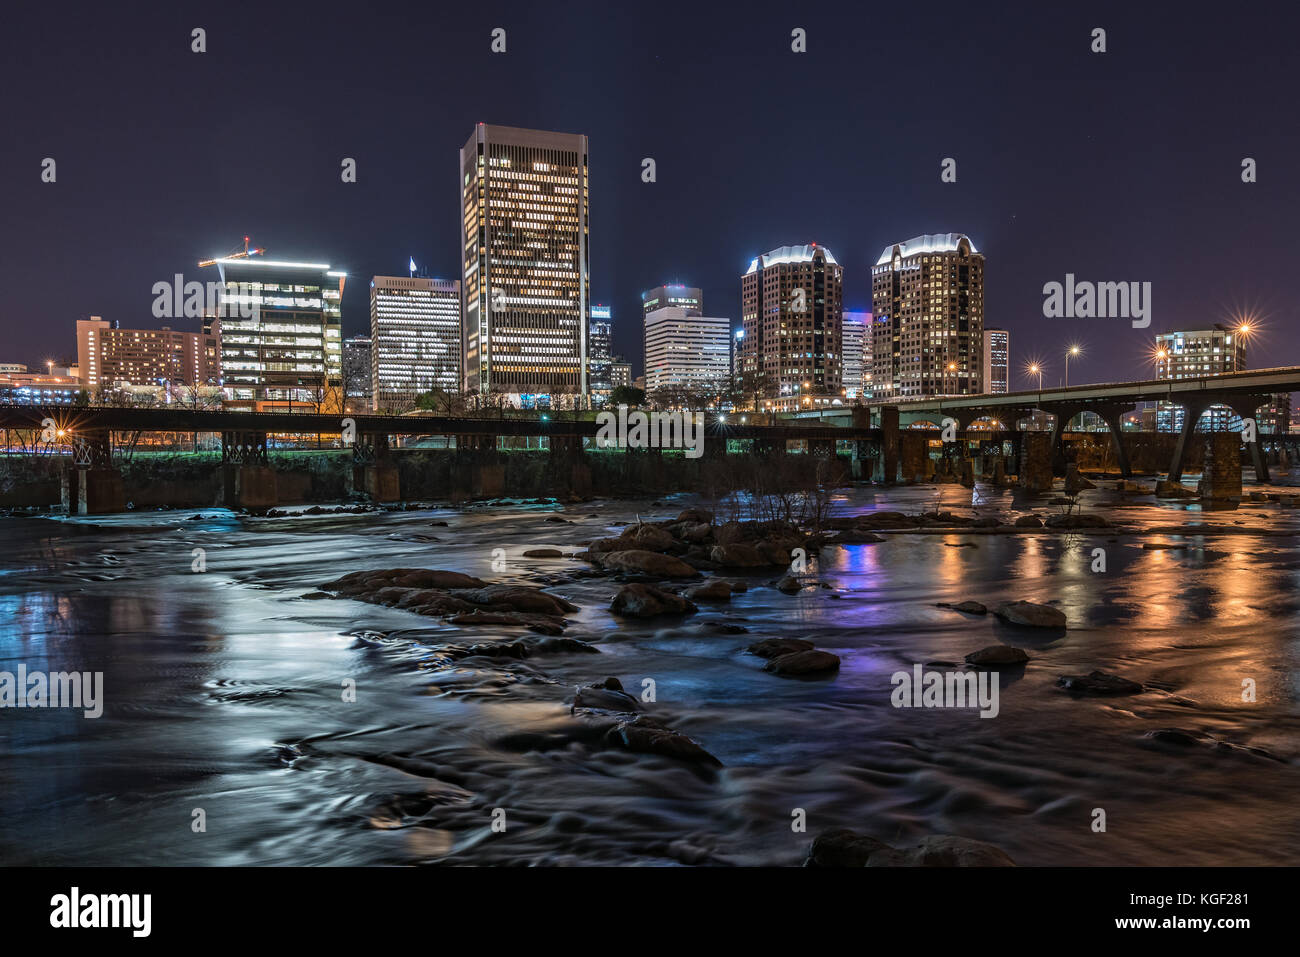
686 351
287 354
687 297
600 355
620 373
524 278
856 346
109 356
792 305
1193 353
415 338
357 374
997 361
927 335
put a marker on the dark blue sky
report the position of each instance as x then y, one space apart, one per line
1119 166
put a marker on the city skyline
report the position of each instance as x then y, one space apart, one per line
1041 209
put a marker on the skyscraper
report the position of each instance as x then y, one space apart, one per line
524 278
997 361
415 338
687 297
686 351
792 305
856 346
357 374
927 297
287 352
600 357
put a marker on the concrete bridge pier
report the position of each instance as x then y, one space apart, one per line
1064 415
92 485
248 481
568 455
889 444
1192 412
373 470
1246 408
1113 416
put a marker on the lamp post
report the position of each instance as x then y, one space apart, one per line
1036 369
1072 351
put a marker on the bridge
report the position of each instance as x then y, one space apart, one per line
872 432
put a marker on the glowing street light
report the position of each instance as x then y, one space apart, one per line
1074 350
1035 369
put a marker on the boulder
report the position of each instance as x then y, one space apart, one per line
998 655
647 563
1031 615
543 553
1029 521
1099 683
789 584
516 598
695 515
738 555
646 736
645 601
1167 489
607 695
845 848
968 607
801 663
842 848
776 647
715 590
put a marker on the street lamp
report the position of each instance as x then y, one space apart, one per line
1036 369
1072 351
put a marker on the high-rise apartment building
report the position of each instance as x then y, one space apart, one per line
282 349
792 306
855 345
357 373
687 297
108 356
927 334
621 373
686 351
524 278
415 338
600 355
997 361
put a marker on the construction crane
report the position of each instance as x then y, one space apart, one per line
235 255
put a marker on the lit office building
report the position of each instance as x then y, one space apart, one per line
282 345
600 355
620 373
357 389
524 235
415 338
1193 353
108 356
855 344
687 297
997 361
686 351
927 334
792 307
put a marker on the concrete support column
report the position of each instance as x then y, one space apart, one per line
1113 415
1191 415
1221 476
889 443
1036 461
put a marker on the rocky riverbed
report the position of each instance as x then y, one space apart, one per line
656 683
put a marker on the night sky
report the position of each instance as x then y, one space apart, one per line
1117 166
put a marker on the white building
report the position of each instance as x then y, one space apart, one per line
997 361
855 348
415 338
682 350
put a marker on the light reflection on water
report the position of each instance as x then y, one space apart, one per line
224 693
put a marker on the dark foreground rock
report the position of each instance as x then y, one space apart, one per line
776 647
607 695
645 735
637 600
1031 615
846 848
1099 683
969 607
998 655
799 664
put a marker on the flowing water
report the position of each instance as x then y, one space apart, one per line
224 692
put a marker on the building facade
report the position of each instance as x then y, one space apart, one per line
284 350
927 334
855 344
357 374
684 351
415 339
997 362
1213 350
524 276
109 357
792 308
686 297
600 355
621 373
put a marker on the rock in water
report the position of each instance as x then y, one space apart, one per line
842 848
776 647
789 585
607 695
969 607
845 848
716 590
798 664
645 601
1031 615
647 563
647 736
1099 683
998 655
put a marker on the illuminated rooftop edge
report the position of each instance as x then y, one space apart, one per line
929 243
790 254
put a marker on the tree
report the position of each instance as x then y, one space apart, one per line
626 395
